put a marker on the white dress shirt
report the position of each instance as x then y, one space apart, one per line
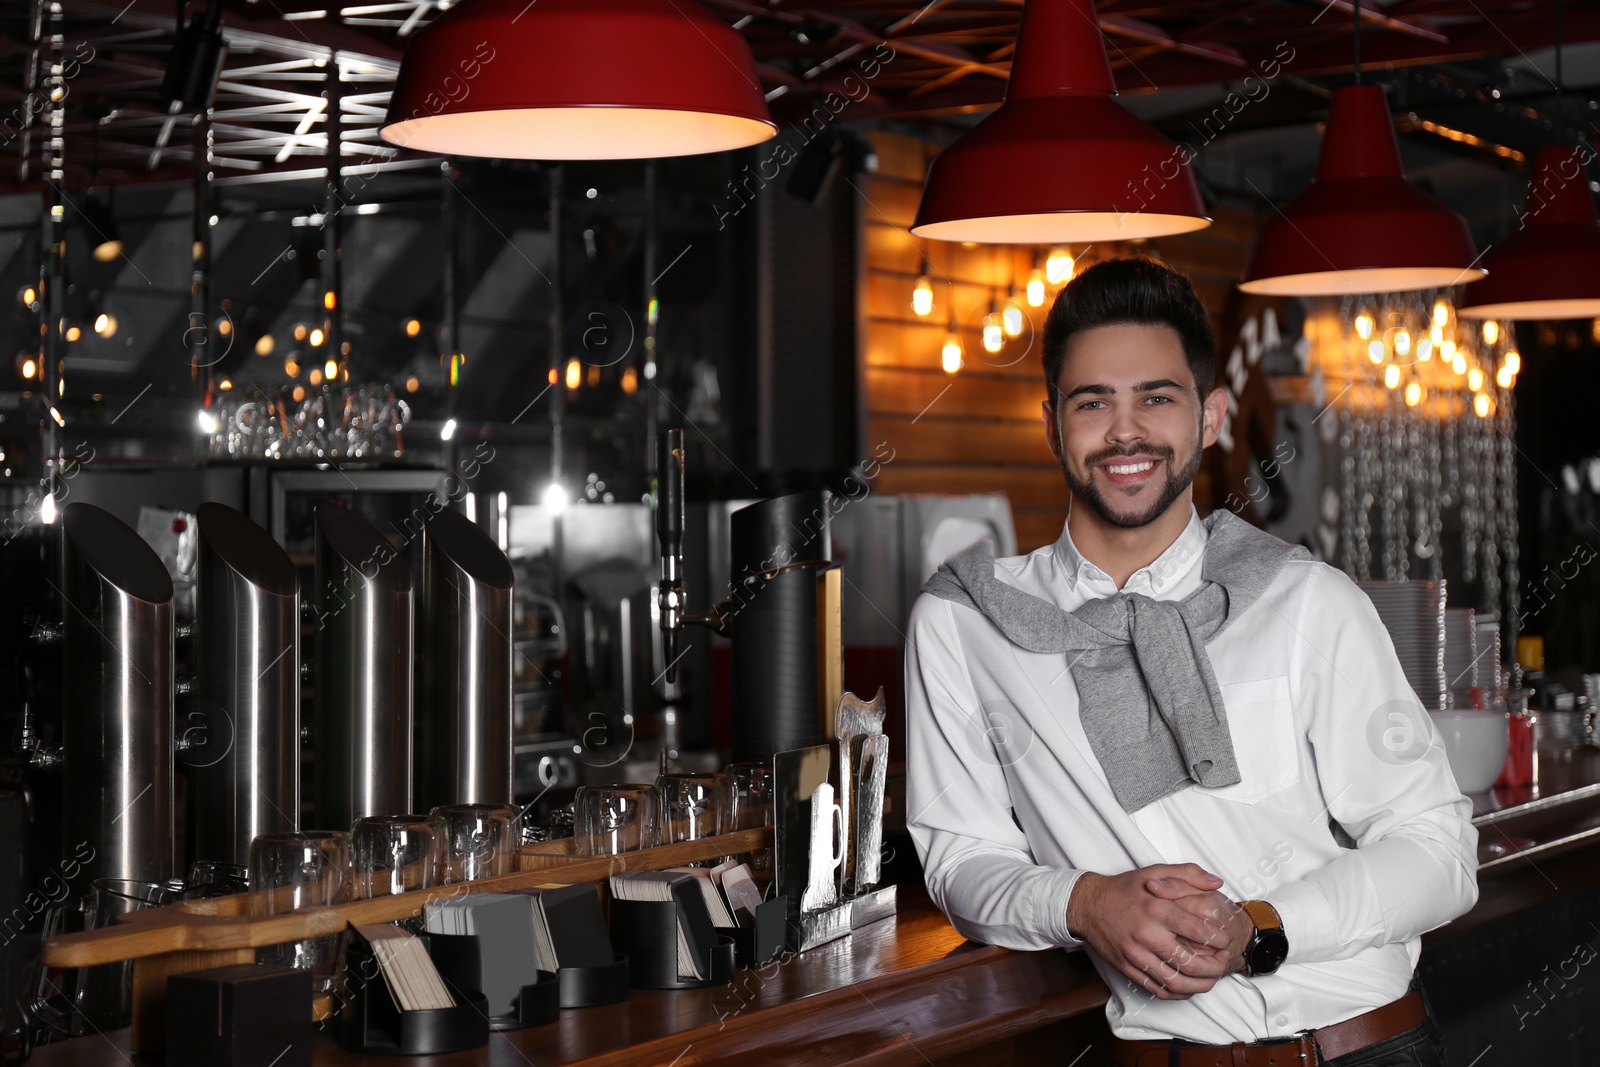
1008 805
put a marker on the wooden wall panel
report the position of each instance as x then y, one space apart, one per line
978 430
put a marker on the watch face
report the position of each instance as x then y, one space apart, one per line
1267 951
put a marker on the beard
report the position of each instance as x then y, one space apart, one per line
1177 481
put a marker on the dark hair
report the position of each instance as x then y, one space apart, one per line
1135 291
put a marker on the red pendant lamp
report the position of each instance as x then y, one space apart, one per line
1060 161
1361 227
1549 269
577 79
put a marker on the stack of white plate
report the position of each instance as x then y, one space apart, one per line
1462 667
1413 613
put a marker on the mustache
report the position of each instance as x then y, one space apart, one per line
1159 451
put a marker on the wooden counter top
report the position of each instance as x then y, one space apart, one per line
904 991
912 991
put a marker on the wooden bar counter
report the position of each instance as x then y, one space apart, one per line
912 991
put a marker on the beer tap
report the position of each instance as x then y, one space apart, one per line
671 596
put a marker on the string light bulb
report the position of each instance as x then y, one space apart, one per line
1491 331
317 337
1058 266
922 295
1011 316
330 370
1504 378
1441 313
1483 405
1513 362
994 332
1402 342
1364 324
950 355
1413 394
1391 376
1475 379
574 374
1036 288
1375 351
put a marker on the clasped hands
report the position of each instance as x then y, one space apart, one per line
1167 927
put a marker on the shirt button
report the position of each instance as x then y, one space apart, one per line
1283 1020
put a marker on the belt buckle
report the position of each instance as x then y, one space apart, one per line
1310 1055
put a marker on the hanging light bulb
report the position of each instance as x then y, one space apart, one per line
1375 351
330 370
950 355
1036 288
47 509
1504 378
1475 379
1441 313
1513 361
208 422
1364 325
1436 335
317 337
922 295
1402 342
1483 405
1011 315
994 331
1458 363
574 374
1391 376
1058 267
1491 331
1413 394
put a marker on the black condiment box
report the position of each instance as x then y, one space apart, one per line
246 1015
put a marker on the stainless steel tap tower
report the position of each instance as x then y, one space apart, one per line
117 743
244 735
363 672
464 731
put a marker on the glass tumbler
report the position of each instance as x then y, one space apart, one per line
616 818
480 840
301 869
694 805
396 853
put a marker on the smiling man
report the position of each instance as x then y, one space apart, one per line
1182 745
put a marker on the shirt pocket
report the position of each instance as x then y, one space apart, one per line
1265 739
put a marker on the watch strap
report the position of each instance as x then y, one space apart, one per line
1262 914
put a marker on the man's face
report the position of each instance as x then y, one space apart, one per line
1129 426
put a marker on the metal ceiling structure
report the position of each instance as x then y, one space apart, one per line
893 59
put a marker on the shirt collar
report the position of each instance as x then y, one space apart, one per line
1161 574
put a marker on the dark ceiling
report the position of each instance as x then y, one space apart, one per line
950 58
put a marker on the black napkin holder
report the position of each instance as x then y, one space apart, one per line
758 943
460 963
646 931
588 987
244 1015
373 1025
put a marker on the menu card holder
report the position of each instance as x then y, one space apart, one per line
372 1023
647 932
763 939
460 964
588 987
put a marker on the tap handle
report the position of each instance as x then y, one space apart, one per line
669 531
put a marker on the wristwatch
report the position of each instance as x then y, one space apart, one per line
1269 944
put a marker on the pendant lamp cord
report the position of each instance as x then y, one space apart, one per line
1356 7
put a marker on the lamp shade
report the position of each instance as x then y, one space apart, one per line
1060 161
577 79
1361 227
1550 268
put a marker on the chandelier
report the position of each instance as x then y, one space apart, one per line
1427 429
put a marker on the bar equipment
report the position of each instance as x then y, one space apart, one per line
363 676
694 806
396 854
612 819
783 613
243 739
464 716
303 869
117 712
480 840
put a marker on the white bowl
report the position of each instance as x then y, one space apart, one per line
1475 744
